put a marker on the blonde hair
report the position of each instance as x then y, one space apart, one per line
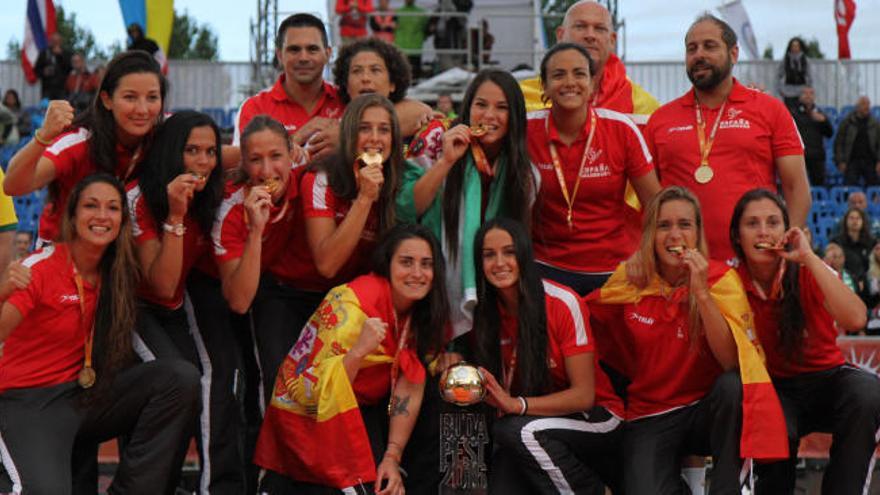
648 256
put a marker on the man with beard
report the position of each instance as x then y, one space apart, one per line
721 139
588 23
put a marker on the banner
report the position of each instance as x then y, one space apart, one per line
734 13
39 25
844 15
156 18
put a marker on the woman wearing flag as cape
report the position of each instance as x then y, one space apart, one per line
484 172
797 299
680 340
327 421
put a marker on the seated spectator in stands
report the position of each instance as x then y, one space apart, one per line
79 85
794 73
97 76
871 291
857 200
856 240
814 127
410 34
857 145
383 22
13 103
353 19
446 106
23 244
835 258
8 127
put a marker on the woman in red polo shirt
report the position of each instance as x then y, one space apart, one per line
181 183
254 226
67 372
797 299
679 340
586 156
112 136
559 429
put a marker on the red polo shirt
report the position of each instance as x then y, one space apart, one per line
319 201
820 350
598 241
275 103
71 155
754 131
145 228
230 231
568 334
46 348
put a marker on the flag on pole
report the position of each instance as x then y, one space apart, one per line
844 15
734 13
156 18
39 25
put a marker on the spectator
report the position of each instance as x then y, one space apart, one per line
857 145
97 76
487 44
138 41
794 73
23 244
857 200
13 103
353 18
384 22
8 127
836 259
79 86
53 65
446 106
871 291
410 34
449 31
856 240
814 127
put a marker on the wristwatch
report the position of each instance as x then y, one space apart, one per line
177 229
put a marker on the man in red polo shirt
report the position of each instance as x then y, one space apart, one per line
721 139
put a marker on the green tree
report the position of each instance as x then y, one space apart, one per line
812 49
191 41
13 49
768 52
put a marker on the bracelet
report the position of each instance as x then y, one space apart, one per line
393 457
42 142
525 405
177 229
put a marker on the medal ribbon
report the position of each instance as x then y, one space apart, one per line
557 165
509 371
395 364
90 333
706 146
480 160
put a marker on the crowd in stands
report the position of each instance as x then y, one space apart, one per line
638 283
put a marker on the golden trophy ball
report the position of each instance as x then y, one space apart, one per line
462 384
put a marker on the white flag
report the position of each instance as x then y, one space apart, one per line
734 13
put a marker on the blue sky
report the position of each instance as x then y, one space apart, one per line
654 30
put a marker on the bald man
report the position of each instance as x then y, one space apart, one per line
588 23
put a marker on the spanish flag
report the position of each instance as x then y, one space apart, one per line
313 430
763 434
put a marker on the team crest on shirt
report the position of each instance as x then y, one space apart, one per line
596 171
734 121
733 113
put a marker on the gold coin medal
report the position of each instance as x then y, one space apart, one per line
87 375
370 158
704 174
478 130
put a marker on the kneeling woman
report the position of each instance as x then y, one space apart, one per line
67 372
326 423
797 299
679 340
561 431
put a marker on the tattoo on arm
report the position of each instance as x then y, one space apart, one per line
400 405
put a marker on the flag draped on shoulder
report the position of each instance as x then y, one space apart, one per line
313 430
763 434
39 25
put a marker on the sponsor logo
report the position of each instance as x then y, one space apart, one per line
735 124
644 320
545 166
733 113
681 128
593 154
69 298
596 172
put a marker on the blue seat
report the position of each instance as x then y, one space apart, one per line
28 209
830 112
839 194
875 111
818 193
826 229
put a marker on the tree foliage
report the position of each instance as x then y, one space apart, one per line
191 41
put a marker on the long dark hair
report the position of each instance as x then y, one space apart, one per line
790 313
519 184
339 166
99 120
431 314
864 232
531 377
116 310
164 162
796 70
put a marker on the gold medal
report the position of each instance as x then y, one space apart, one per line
704 174
86 377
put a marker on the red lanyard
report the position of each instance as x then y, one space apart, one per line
557 165
480 160
510 370
87 374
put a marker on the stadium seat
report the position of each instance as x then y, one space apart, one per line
28 209
839 194
818 193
